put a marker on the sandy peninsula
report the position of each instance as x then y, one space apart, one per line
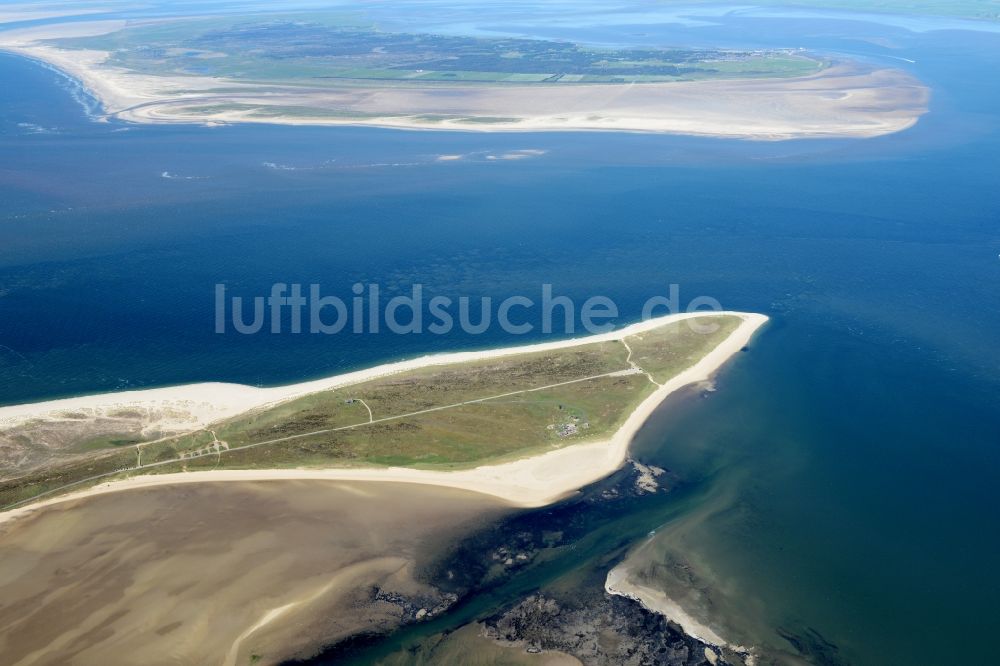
205 555
847 99
532 481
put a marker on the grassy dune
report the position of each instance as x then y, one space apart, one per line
439 417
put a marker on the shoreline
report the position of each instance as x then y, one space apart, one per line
243 397
617 584
844 100
693 128
656 601
527 482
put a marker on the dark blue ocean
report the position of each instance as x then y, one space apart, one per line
852 457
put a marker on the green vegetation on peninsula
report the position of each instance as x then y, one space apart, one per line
438 417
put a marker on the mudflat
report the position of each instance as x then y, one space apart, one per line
227 573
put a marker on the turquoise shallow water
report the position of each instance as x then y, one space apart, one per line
848 463
848 500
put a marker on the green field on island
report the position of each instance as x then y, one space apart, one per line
324 49
437 417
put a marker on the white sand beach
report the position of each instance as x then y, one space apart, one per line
533 481
845 101
655 600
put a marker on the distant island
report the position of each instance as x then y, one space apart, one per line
988 10
328 70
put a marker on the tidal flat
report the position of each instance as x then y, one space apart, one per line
223 573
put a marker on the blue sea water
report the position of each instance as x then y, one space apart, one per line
851 456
